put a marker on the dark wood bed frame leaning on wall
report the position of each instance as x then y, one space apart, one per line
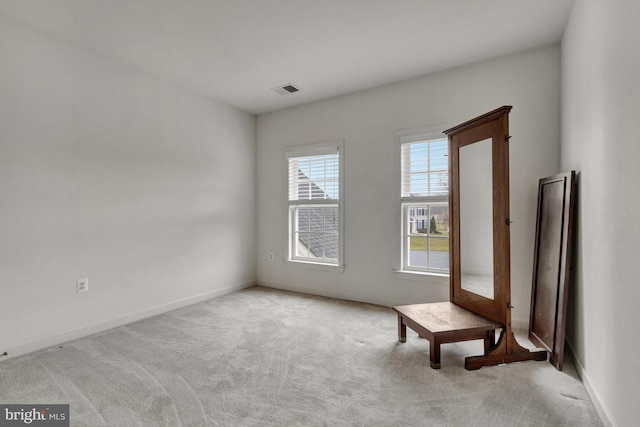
552 264
468 315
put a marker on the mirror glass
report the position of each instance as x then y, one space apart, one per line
476 218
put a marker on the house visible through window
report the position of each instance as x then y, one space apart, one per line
425 206
314 204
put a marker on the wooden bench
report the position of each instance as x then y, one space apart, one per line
444 322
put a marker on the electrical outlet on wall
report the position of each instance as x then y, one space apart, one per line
270 256
82 285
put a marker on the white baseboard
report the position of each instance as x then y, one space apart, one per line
332 294
60 338
386 302
604 414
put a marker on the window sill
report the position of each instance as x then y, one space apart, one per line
315 266
423 276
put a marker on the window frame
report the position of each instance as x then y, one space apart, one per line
310 150
416 201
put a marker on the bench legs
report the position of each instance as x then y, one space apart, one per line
489 341
435 342
434 353
434 345
402 330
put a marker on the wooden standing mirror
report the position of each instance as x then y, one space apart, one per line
479 209
480 275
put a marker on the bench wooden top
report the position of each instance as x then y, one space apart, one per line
445 317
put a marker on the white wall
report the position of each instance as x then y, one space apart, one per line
370 122
601 140
111 174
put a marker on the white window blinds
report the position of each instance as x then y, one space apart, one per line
425 169
314 177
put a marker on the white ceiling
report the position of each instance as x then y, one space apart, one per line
237 50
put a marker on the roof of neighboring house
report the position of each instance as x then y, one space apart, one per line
315 221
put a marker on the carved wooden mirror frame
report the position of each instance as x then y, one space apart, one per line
493 125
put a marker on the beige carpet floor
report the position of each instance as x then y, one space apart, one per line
262 357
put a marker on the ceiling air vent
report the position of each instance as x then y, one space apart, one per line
285 89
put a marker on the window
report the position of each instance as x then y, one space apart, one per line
315 203
425 205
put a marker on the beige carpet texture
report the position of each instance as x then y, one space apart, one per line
263 357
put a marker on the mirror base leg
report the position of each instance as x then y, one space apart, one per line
506 351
